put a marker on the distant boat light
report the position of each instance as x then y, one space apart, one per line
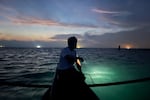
38 46
1 46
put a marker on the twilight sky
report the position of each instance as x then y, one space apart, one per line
96 23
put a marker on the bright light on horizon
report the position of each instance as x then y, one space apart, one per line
1 46
128 47
38 46
79 45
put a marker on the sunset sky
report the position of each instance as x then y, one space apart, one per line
96 23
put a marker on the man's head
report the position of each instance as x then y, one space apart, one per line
72 42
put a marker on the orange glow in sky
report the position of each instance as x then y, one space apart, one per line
128 47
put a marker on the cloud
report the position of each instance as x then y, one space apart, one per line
112 17
13 15
55 41
105 11
48 16
88 17
7 9
31 44
33 21
27 20
138 38
128 13
64 37
6 36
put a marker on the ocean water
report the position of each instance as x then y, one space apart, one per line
37 66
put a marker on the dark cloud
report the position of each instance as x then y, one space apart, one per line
63 37
31 44
56 41
137 38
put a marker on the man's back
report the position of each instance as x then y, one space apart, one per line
63 62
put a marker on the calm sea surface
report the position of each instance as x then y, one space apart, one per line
37 66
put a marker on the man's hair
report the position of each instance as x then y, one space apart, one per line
71 40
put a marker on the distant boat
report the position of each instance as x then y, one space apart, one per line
119 47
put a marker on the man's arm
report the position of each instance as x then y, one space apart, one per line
78 63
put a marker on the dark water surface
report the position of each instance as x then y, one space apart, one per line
37 66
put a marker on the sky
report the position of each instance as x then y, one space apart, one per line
96 23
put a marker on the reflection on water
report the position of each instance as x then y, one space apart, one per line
37 66
135 91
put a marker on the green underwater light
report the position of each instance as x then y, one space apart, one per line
99 74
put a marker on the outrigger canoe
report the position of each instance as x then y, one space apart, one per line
74 89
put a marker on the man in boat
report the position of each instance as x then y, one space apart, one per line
68 72
68 83
68 57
